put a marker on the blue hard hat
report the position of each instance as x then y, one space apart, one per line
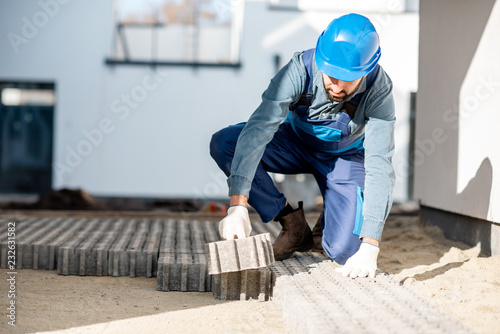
348 49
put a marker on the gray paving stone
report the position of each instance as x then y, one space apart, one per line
25 245
240 254
69 254
24 228
150 251
52 248
182 263
315 299
247 284
86 263
41 250
183 272
243 285
137 265
118 257
112 247
97 259
210 232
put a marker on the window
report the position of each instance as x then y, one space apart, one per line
26 132
177 32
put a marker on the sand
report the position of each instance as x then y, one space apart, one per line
451 275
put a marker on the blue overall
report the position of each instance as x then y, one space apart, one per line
322 148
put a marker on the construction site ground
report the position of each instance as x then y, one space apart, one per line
450 276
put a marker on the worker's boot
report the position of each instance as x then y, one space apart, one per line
317 234
295 235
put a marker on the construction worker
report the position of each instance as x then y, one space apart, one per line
328 112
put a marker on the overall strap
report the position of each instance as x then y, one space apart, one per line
306 97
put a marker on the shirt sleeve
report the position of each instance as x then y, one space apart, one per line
379 149
285 88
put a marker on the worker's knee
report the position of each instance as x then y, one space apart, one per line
217 145
223 143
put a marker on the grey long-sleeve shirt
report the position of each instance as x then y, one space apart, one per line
375 116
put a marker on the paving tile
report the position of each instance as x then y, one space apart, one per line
313 298
24 229
252 283
240 254
182 263
118 257
243 285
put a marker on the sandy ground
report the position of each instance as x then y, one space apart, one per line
72 304
451 275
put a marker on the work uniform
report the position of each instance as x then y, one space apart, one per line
350 158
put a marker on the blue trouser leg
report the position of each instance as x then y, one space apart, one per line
337 178
281 156
340 193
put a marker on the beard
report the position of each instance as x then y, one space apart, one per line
344 95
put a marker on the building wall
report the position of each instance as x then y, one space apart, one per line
138 131
457 108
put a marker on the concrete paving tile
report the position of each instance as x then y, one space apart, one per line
68 255
182 263
135 255
97 264
151 249
86 263
24 247
307 285
118 258
41 254
240 254
182 272
23 228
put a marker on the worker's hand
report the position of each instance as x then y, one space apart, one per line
237 223
363 263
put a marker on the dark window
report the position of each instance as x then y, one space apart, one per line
26 135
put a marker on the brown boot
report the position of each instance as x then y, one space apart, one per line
295 235
317 234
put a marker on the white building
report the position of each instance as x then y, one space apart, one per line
139 130
457 155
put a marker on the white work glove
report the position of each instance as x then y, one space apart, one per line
363 263
236 225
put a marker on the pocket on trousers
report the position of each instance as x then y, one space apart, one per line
358 222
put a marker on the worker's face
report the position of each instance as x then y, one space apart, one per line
338 90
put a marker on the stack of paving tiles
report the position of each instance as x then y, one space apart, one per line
315 299
240 254
251 283
171 250
240 267
36 239
182 263
112 247
183 266
80 246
